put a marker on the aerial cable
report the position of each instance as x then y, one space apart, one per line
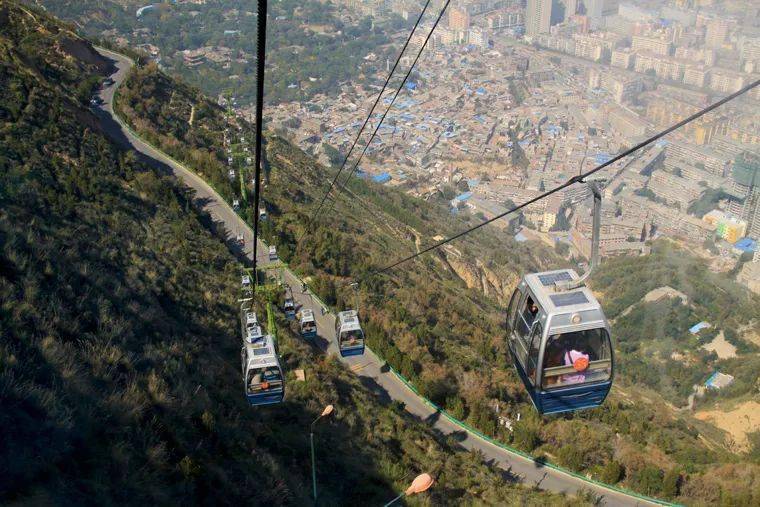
366 121
571 181
260 55
408 73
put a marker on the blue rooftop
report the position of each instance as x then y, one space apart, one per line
746 245
381 178
696 328
464 196
603 158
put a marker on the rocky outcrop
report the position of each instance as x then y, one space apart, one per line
476 275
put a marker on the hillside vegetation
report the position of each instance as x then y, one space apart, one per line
310 50
431 320
119 346
656 348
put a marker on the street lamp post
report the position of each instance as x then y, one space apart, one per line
420 483
327 411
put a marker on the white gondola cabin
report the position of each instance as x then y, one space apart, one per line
262 373
349 334
308 323
245 283
289 306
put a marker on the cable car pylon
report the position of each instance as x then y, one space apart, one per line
596 227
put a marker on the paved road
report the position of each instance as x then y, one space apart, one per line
369 367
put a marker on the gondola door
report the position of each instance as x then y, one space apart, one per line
523 315
514 304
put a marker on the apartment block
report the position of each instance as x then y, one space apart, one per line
656 45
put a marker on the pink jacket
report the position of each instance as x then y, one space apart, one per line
570 358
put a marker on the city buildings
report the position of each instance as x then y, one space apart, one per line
622 58
538 17
459 18
655 45
746 190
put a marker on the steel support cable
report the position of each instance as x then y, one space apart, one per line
260 55
366 121
571 181
408 73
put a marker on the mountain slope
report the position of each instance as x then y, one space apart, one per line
440 332
119 344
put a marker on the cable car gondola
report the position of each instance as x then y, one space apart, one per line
349 334
289 307
251 328
262 374
308 324
559 338
245 284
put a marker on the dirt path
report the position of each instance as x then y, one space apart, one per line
657 294
721 346
738 422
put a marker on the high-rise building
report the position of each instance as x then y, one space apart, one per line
571 8
622 58
656 45
716 33
593 8
726 81
459 18
596 9
538 17
746 190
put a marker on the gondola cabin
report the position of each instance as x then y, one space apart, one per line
251 319
262 374
349 334
245 283
253 333
308 324
559 340
289 306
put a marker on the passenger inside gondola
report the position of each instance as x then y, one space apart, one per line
579 360
260 378
569 357
528 316
554 358
349 339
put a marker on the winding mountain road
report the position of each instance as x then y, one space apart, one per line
372 371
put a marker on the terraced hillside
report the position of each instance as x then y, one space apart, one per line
119 345
432 321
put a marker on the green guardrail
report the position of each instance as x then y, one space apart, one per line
123 123
404 380
485 437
